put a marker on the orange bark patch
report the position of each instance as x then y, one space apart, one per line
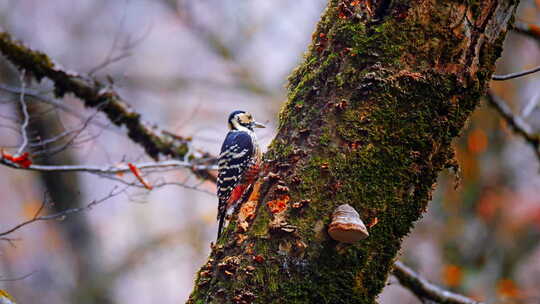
247 211
249 208
373 222
240 238
256 193
278 205
249 249
409 74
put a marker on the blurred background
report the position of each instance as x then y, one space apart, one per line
185 65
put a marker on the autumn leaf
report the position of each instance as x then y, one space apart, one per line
452 275
138 175
477 141
507 288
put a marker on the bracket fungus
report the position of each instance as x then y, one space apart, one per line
346 225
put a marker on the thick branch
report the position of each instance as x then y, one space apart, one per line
96 95
423 289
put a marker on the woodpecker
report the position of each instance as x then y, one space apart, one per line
238 162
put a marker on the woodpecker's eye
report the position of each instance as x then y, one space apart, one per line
244 119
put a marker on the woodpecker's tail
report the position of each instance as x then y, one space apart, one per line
220 225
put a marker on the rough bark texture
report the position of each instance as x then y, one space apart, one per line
384 88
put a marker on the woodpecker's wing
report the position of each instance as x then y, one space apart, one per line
236 155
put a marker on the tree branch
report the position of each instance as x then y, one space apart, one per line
37 217
39 96
110 171
517 124
93 94
515 75
530 30
96 95
423 289
527 29
121 168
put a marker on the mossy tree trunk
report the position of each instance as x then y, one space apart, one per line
384 88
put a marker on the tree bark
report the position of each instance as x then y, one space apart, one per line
384 88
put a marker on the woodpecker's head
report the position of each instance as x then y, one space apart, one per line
242 120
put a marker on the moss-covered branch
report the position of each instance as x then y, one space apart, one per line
371 113
96 95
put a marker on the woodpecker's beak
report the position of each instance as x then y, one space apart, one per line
258 125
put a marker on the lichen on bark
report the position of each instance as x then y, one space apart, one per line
369 121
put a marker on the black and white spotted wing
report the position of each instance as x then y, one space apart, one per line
235 157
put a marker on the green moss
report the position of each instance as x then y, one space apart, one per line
325 138
24 58
260 224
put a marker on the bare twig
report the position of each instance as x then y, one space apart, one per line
186 186
18 278
11 241
531 105
60 136
39 96
515 75
70 141
108 61
60 215
244 76
159 183
423 289
109 58
516 123
26 116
